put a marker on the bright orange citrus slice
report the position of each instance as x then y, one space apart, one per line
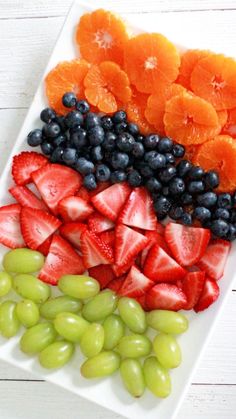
229 127
188 61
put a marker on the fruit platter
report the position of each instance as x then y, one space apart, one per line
118 215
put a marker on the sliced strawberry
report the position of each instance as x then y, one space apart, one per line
138 210
187 244
94 250
10 232
153 238
128 244
214 259
209 295
55 182
84 194
45 246
160 267
24 164
72 232
103 273
165 297
62 259
37 226
110 201
160 229
123 269
142 301
135 284
192 286
26 198
98 223
101 187
74 208
108 237
116 284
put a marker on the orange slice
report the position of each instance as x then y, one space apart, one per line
135 109
229 127
214 79
188 61
151 62
67 76
222 117
101 36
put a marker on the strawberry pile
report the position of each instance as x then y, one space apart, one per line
112 232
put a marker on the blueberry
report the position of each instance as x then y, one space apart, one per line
119 128
60 141
35 138
107 123
60 120
223 214
69 99
234 198
56 156
220 228
165 191
150 141
82 106
183 168
48 115
155 160
178 150
74 118
138 150
196 173
224 201
47 148
176 186
109 142
134 178
96 135
84 166
212 179
133 128
51 130
119 116
162 206
92 120
103 173
186 219
125 142
208 199
176 212
196 186
79 138
119 160
118 176
153 185
202 214
70 156
144 169
186 199
96 154
169 158
165 175
165 145
90 182
232 215
139 138
231 235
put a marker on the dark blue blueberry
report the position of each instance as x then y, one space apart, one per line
133 128
96 135
119 116
48 115
69 99
51 130
92 120
202 214
224 201
212 179
183 168
232 214
47 148
207 199
162 206
178 150
176 212
119 128
96 154
186 199
56 156
153 185
89 182
84 166
73 119
138 150
219 228
107 123
186 219
196 186
82 106
70 156
134 178
109 142
155 160
196 173
79 138
223 214
234 198
144 169
60 141
169 158
119 160
103 173
60 120
118 176
176 186
231 235
165 145
165 175
165 191
150 141
35 138
139 138
125 142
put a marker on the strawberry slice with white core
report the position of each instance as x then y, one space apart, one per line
135 284
74 208
10 231
84 194
24 164
56 182
25 197
128 244
208 296
161 267
98 223
45 246
187 244
108 237
153 238
94 250
37 226
110 201
165 297
103 274
101 187
192 286
214 259
138 211
72 232
123 269
62 259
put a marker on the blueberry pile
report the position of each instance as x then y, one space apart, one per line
110 148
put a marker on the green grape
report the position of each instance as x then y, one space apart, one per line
5 283
114 329
57 305
101 365
30 287
167 321
132 314
134 346
167 350
156 377
132 377
9 323
92 340
79 286
101 306
70 326
37 338
23 261
27 312
57 354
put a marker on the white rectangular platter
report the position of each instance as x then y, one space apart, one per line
109 392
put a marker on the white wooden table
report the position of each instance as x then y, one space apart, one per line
28 30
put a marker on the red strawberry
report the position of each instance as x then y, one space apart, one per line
108 237
84 194
138 210
187 244
72 232
215 257
135 284
123 269
153 238
110 201
10 232
74 208
55 182
209 295
37 226
142 301
116 284
26 198
24 164
62 259
128 244
192 286
98 223
103 273
45 246
101 187
160 267
165 297
160 229
94 250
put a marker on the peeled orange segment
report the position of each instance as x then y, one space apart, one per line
106 85
135 109
222 117
219 154
229 127
214 79
151 62
101 36
188 61
67 76
189 119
